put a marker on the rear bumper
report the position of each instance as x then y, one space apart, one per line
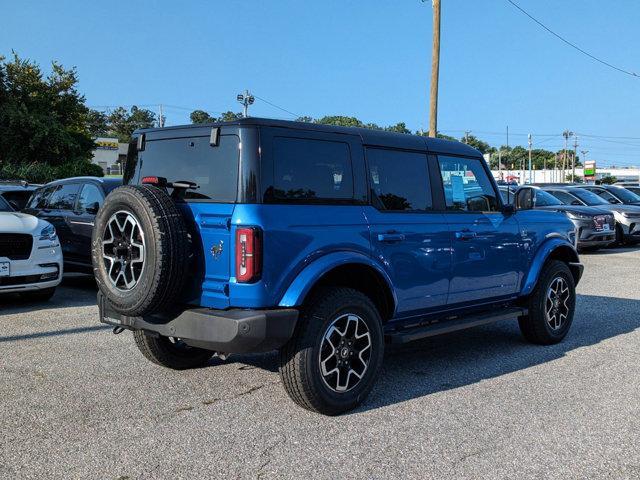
225 331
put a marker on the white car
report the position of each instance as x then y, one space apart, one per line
30 254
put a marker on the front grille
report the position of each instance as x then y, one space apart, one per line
15 246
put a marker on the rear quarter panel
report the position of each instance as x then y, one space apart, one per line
294 237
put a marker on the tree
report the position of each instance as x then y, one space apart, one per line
577 179
400 127
200 116
478 144
122 123
340 121
42 119
608 180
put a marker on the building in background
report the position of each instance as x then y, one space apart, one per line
110 155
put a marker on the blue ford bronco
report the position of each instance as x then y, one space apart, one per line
323 242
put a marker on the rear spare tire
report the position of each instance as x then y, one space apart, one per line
140 250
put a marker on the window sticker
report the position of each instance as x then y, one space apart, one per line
457 187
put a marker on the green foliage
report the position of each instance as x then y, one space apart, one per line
43 120
39 172
200 116
608 180
475 142
340 121
577 179
121 122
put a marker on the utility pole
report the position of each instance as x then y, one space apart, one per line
161 117
435 71
530 181
566 134
466 136
575 153
245 99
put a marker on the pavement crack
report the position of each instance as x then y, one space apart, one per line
265 455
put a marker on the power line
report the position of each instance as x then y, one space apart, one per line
278 107
573 45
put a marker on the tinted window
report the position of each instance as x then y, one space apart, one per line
625 195
467 186
39 198
213 169
399 180
310 170
565 198
607 196
544 199
64 197
588 197
89 197
4 206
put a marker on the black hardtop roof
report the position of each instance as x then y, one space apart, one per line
369 136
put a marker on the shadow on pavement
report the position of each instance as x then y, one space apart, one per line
462 358
76 290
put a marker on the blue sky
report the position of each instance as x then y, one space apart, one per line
369 59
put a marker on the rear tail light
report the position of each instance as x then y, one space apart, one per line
248 254
152 180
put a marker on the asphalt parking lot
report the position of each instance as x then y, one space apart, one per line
77 401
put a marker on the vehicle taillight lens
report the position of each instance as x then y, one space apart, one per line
248 254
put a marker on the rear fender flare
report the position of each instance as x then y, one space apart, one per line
307 278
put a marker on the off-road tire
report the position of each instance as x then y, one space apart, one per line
166 253
299 358
39 295
534 326
162 351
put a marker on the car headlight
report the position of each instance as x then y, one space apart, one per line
578 216
48 233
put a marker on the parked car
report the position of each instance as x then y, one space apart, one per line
627 216
633 189
323 242
17 192
614 194
595 227
71 206
30 255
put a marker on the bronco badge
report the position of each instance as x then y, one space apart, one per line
216 250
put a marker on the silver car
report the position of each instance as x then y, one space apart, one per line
627 216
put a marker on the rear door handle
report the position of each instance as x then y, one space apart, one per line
466 235
390 237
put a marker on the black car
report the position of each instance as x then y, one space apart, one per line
71 206
614 194
17 192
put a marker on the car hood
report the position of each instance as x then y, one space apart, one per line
632 209
580 209
15 222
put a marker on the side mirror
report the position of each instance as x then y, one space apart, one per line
93 208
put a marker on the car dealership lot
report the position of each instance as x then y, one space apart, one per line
79 402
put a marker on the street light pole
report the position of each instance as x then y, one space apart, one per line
575 153
246 100
530 182
566 134
435 71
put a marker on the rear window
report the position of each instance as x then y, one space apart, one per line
312 171
213 169
399 180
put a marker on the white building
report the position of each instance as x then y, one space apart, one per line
109 154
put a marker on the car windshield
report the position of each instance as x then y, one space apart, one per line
625 195
544 199
588 197
4 206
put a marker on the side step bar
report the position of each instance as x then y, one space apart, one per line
439 326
